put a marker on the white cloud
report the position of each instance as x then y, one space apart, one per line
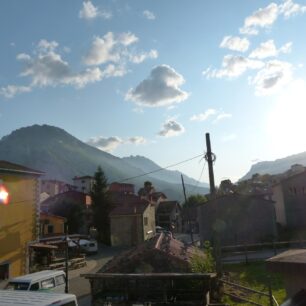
222 116
272 77
149 15
161 88
289 8
203 116
262 18
233 66
89 11
171 128
139 58
11 90
106 144
47 46
109 48
137 140
268 49
235 43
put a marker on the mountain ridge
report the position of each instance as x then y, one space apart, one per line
62 156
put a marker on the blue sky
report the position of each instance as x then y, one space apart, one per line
151 77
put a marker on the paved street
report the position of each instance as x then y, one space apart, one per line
79 285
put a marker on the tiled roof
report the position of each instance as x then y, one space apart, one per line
68 195
164 244
130 208
6 166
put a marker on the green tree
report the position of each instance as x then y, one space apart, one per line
195 200
101 206
203 264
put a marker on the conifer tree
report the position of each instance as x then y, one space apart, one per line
101 206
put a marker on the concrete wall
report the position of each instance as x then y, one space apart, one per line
149 229
278 198
18 222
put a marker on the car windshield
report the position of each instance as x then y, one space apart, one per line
17 286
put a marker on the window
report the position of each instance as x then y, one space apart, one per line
50 229
17 286
48 283
34 287
59 280
4 271
145 221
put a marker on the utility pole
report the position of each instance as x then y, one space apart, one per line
210 158
190 227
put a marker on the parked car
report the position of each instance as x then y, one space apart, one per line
26 298
89 246
50 280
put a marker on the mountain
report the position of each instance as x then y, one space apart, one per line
172 176
275 167
62 156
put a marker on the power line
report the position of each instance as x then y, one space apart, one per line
198 182
163 168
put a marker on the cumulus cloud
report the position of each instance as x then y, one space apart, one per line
149 15
161 88
139 58
289 8
203 116
137 140
171 128
89 11
106 144
111 48
273 76
233 66
262 18
265 17
268 49
235 43
11 90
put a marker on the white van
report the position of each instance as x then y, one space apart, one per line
50 280
25 298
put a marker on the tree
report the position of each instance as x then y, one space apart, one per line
147 189
195 200
101 206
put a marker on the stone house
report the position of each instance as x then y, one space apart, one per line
132 221
83 183
169 215
238 219
19 217
289 194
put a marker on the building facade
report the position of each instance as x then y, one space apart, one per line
19 217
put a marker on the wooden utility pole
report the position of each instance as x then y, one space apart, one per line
210 158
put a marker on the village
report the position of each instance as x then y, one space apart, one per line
120 246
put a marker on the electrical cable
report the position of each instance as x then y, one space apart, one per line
163 168
198 182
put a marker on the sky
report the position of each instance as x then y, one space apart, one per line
151 77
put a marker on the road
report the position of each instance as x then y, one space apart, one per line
79 285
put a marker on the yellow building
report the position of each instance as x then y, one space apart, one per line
19 217
51 225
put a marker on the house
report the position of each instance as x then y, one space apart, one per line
160 254
121 188
169 216
238 219
19 217
83 183
291 265
132 221
54 187
51 225
73 205
289 194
